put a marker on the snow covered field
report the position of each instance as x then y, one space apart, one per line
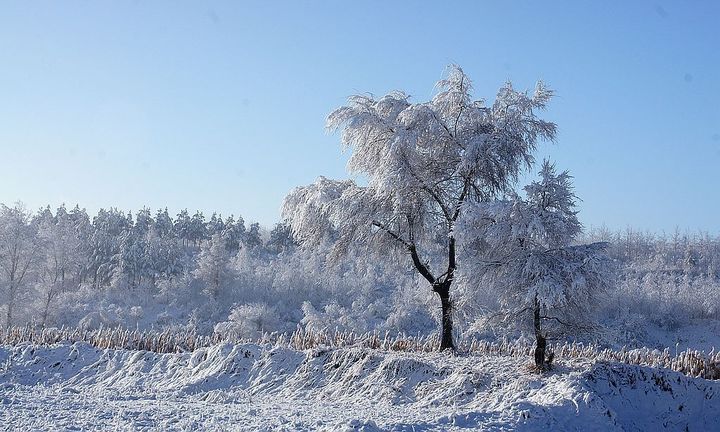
254 387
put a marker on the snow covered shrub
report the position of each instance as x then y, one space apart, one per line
136 313
332 317
98 319
411 312
181 292
249 321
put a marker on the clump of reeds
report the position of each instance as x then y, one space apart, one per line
690 362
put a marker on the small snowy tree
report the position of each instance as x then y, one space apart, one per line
529 260
423 163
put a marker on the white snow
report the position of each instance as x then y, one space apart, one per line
254 387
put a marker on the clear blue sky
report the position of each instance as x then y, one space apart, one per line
220 106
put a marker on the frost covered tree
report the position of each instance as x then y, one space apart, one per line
143 222
253 237
198 228
281 239
423 163
182 226
133 257
164 256
215 225
60 259
213 264
234 233
528 257
109 227
18 254
163 224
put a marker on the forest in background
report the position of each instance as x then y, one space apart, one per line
157 271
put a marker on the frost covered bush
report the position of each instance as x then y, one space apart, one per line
249 321
95 320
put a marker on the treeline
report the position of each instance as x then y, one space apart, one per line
154 270
665 279
679 253
47 254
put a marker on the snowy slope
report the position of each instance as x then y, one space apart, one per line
253 387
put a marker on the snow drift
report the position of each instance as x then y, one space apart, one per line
259 387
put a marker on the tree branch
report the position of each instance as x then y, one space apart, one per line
422 268
579 326
460 111
461 199
391 233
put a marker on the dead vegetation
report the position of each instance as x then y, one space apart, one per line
690 362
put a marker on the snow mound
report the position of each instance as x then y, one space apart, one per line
643 398
254 387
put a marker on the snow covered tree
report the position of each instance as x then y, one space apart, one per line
213 267
133 257
234 233
215 225
164 256
423 163
198 228
18 253
163 224
143 222
60 259
249 321
109 229
253 237
527 256
183 227
281 239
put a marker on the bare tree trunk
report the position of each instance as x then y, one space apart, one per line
46 308
446 341
439 285
543 359
540 341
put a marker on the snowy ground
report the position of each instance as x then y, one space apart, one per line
250 387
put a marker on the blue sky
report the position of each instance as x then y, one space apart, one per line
220 106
